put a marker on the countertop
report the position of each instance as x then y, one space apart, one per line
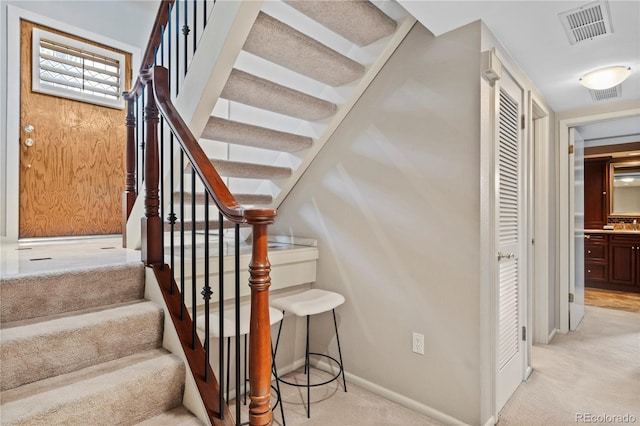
611 231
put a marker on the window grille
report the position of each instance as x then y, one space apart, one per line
72 69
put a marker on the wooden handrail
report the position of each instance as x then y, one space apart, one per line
162 17
156 81
130 193
201 163
260 356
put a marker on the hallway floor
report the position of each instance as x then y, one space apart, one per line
592 371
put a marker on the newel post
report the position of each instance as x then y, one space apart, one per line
129 194
151 222
260 331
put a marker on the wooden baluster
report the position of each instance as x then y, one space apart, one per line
129 194
151 223
260 331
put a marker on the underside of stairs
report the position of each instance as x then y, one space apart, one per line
84 347
301 68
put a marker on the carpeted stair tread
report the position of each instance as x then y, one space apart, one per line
242 199
124 391
234 132
251 90
240 169
360 22
179 416
32 296
33 352
279 43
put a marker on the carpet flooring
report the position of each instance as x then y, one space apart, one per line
593 371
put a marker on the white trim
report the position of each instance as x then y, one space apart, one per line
552 335
88 51
539 134
488 292
490 422
528 372
14 15
385 393
627 109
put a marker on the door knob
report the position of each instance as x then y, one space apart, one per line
28 128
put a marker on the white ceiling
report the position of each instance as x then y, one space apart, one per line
532 33
530 30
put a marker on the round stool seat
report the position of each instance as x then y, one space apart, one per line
229 326
310 302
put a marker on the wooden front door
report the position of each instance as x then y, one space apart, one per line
72 170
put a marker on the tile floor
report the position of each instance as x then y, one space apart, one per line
37 256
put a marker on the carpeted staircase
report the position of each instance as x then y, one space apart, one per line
358 23
83 347
302 66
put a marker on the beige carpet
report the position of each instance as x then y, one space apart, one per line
331 406
592 371
83 347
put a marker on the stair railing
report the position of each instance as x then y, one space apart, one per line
173 42
164 139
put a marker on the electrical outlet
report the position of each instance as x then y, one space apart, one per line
418 343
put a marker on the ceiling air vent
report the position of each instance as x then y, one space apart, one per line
601 95
587 22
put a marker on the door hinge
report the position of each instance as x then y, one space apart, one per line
570 149
533 241
522 122
524 333
570 297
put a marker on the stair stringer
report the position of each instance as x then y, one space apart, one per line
171 342
344 109
209 71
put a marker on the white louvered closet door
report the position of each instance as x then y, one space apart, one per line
510 151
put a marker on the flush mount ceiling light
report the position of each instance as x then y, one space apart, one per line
605 78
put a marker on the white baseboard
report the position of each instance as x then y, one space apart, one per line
490 422
552 335
528 372
388 394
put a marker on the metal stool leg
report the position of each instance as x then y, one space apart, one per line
228 365
245 370
275 373
278 338
308 373
335 324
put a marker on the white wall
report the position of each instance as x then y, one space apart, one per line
127 21
394 202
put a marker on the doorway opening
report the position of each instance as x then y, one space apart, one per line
565 264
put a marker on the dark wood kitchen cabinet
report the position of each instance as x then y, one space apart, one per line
596 260
596 190
624 251
612 261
